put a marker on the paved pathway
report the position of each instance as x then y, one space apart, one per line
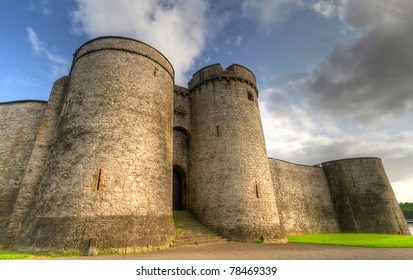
253 251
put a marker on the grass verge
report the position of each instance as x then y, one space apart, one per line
356 240
7 255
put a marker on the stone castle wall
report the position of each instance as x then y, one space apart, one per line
363 198
36 165
109 173
303 198
230 187
19 123
97 161
182 127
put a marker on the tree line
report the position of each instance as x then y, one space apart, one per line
407 209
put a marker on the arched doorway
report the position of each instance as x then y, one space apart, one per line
178 189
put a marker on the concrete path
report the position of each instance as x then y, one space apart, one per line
253 251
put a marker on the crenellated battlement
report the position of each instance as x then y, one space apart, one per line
215 71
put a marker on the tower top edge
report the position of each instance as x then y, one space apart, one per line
216 70
180 89
119 43
24 101
349 160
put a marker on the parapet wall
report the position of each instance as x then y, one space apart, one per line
19 123
36 165
215 71
122 44
182 110
363 197
303 198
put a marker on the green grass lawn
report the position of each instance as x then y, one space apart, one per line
356 240
6 255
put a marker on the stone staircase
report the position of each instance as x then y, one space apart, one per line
189 231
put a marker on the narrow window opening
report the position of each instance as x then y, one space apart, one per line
66 106
69 106
217 130
98 184
334 200
257 191
250 96
155 71
354 183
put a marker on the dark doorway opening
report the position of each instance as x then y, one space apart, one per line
178 182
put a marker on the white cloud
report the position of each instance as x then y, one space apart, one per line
37 45
238 41
59 65
177 28
403 190
42 6
325 8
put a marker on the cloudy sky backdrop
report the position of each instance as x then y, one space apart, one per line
335 76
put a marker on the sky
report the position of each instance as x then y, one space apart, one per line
335 77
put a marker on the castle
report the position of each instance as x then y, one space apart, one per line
118 147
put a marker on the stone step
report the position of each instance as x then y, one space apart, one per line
189 231
194 230
196 242
199 237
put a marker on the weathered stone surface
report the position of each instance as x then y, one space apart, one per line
182 127
303 198
19 124
363 197
111 158
116 233
230 186
35 167
182 108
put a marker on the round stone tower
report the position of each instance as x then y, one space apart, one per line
363 197
230 187
109 173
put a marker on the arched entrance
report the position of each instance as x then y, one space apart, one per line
178 189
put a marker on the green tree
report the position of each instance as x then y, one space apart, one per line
407 209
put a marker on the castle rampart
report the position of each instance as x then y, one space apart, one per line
36 165
19 123
182 108
215 71
304 198
362 196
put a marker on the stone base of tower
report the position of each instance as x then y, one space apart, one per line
114 234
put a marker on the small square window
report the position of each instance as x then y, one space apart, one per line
250 96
